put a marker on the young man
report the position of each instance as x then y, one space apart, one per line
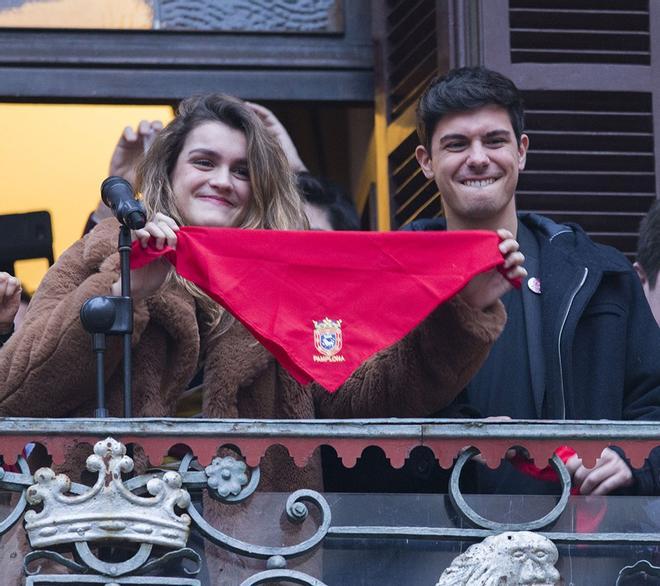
580 341
648 258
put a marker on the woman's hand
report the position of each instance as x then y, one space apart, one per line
10 301
147 280
485 289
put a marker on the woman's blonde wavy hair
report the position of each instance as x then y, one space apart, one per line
275 203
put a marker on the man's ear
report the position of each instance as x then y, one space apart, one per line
641 273
522 151
424 160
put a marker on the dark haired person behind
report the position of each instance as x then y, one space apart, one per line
648 258
326 205
580 331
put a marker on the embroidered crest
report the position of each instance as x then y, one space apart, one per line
328 340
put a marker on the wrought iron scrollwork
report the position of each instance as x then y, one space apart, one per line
296 510
17 482
637 572
292 576
468 513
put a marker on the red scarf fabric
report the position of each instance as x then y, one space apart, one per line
324 302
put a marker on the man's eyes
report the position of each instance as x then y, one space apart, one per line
455 146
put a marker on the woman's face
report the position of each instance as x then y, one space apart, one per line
210 180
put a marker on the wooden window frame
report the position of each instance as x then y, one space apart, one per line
56 65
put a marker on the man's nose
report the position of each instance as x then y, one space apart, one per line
477 156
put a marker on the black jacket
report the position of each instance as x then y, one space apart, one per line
598 356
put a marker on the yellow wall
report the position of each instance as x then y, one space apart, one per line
118 14
54 157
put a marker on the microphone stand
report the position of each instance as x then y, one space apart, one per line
125 268
112 315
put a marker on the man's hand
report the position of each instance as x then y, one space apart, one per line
485 289
130 148
132 144
609 474
10 301
277 130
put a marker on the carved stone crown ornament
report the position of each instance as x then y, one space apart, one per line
108 511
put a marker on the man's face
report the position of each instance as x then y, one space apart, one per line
475 162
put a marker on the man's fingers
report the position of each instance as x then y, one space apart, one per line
259 110
13 287
595 476
129 135
618 480
514 259
9 286
504 234
610 473
144 127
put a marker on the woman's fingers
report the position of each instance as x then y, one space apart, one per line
162 229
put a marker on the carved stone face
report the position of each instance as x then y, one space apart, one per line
521 558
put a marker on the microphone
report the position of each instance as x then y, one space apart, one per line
117 194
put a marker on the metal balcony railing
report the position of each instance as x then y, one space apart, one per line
162 526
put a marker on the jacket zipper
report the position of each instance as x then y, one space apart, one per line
561 332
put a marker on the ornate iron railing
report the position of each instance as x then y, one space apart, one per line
84 529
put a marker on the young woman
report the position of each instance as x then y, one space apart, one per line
216 164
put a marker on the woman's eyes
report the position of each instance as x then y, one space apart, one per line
204 163
242 172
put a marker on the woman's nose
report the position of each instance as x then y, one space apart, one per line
220 177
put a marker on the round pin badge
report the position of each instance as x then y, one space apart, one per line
534 285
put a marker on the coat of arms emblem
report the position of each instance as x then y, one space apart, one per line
327 336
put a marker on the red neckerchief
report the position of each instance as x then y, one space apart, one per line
324 302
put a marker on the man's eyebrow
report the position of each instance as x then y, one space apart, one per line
448 137
498 132
493 133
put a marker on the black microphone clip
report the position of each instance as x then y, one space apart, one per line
118 195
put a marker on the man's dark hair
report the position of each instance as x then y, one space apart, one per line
463 89
330 198
648 249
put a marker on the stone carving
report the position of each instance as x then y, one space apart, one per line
511 559
108 511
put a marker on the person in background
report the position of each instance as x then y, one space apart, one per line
129 150
648 258
581 335
327 207
10 304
